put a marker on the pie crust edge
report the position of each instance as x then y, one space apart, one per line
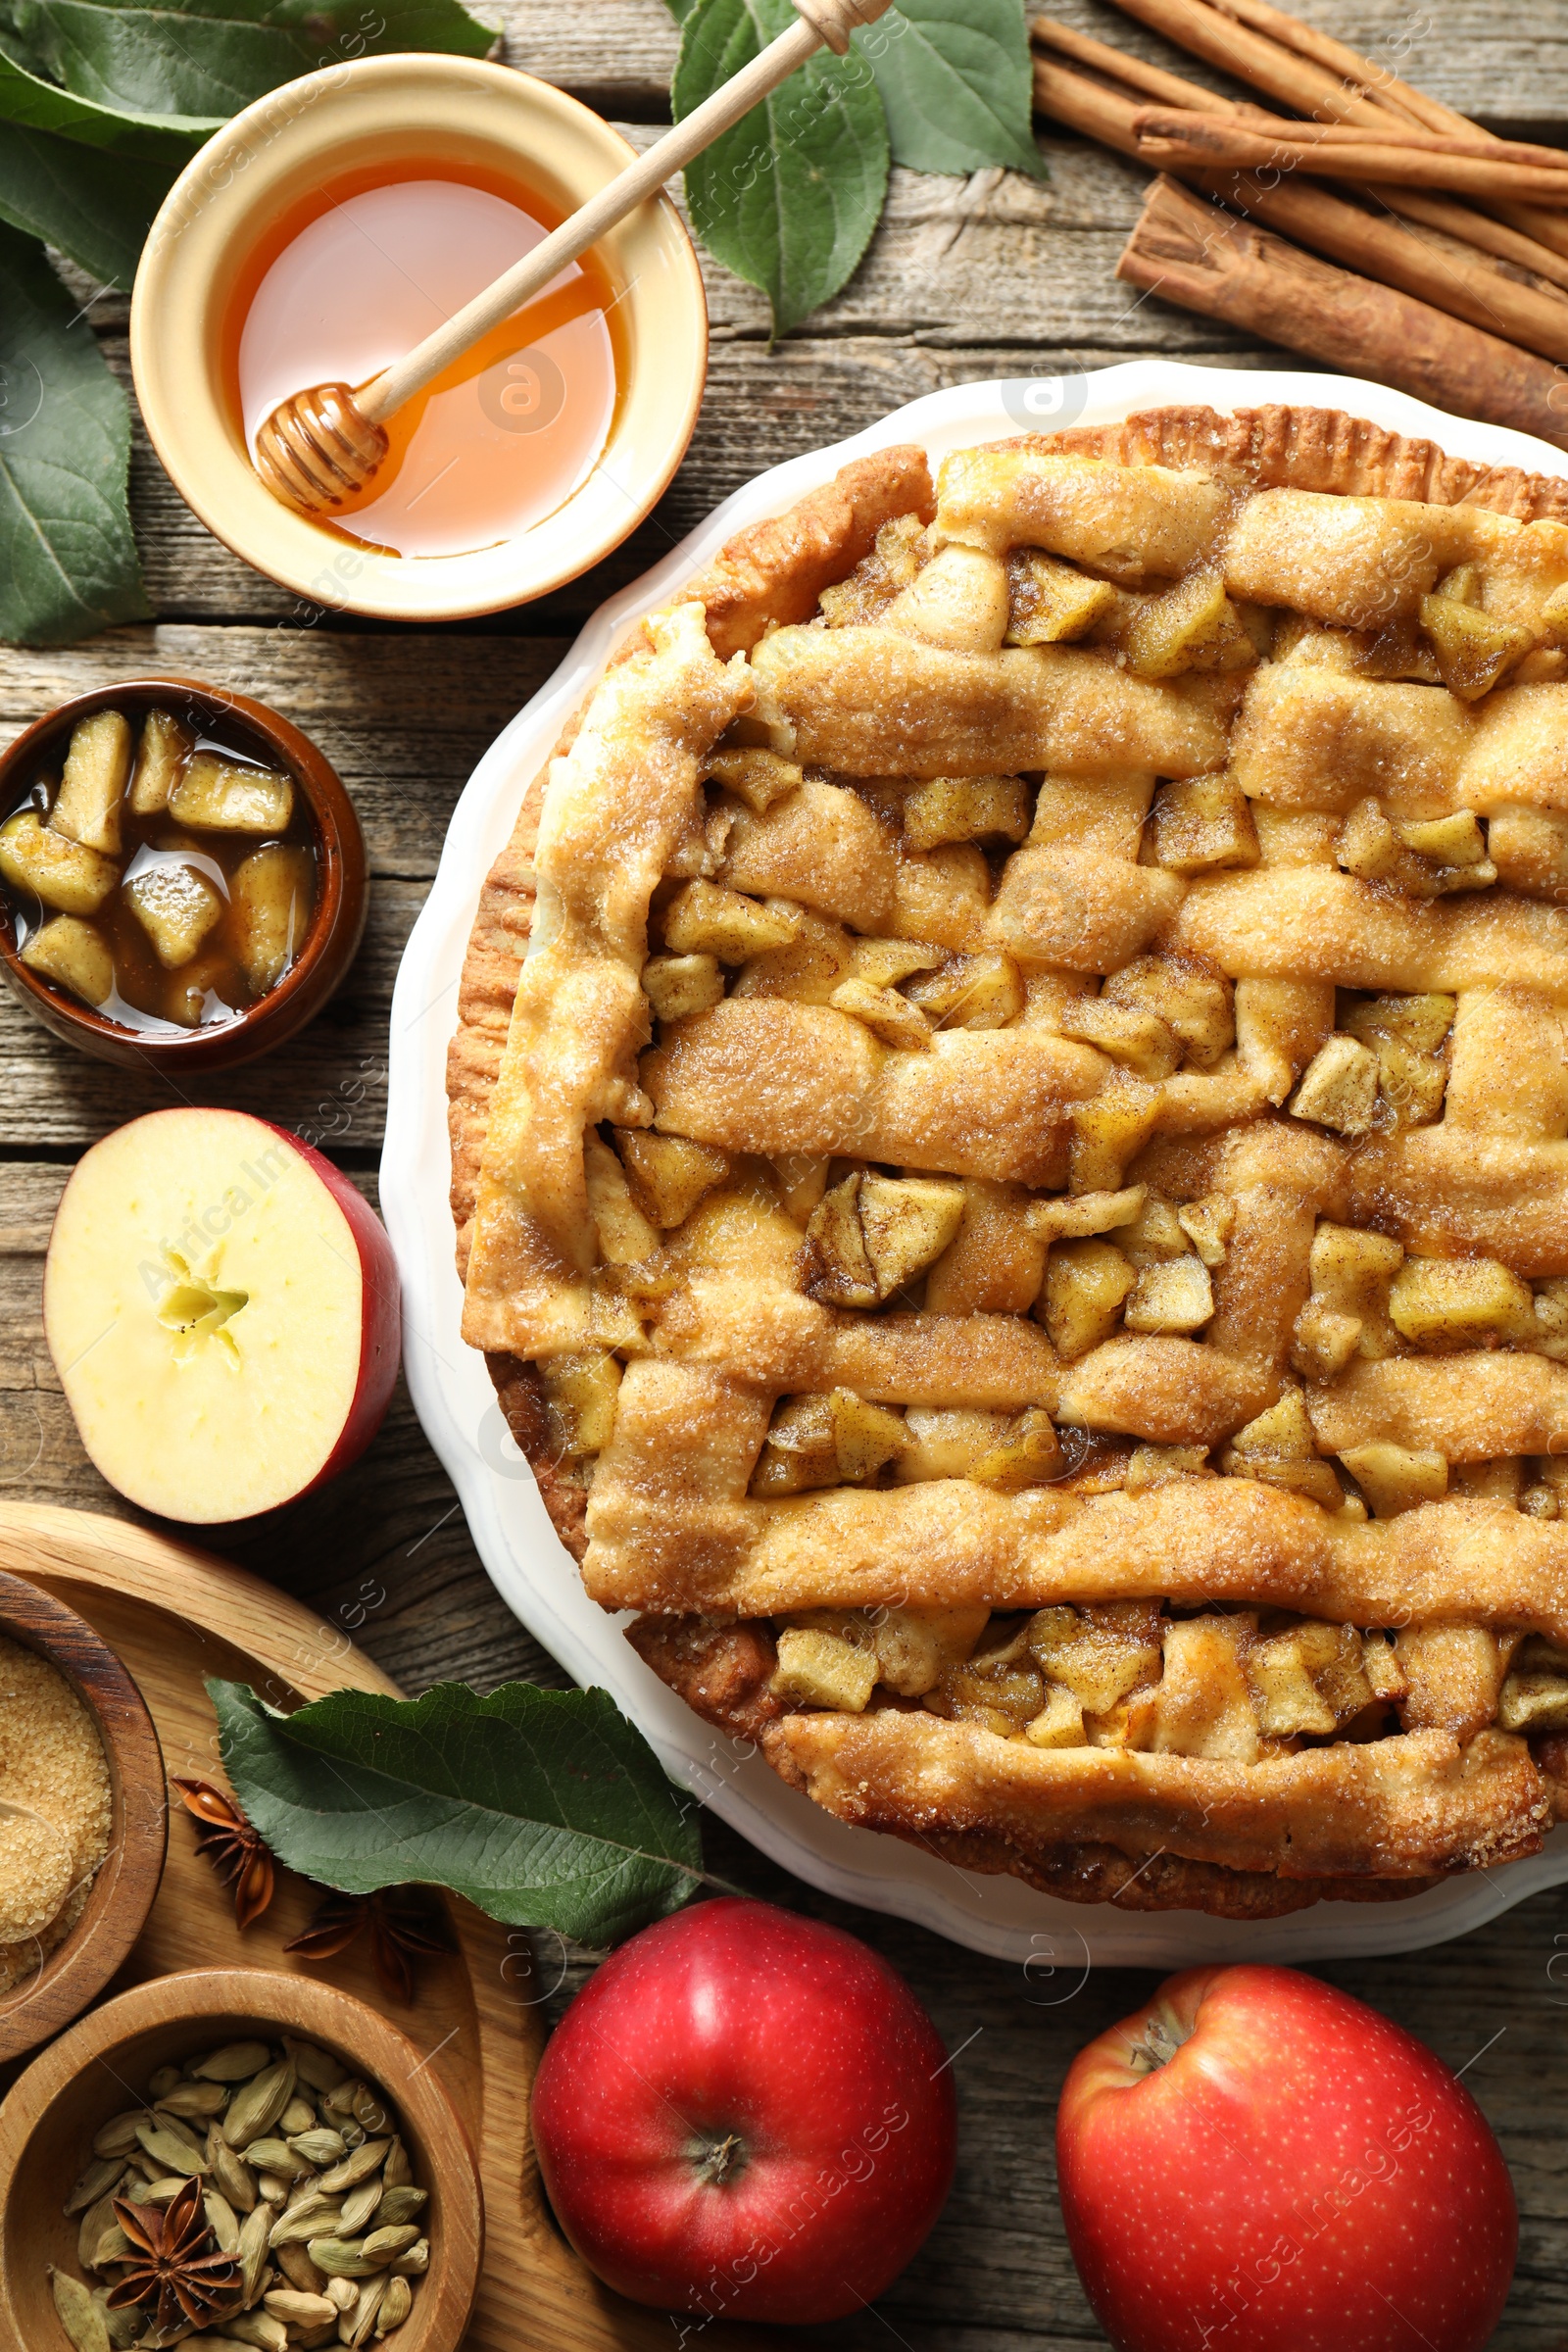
775 572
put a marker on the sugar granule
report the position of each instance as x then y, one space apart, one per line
51 1763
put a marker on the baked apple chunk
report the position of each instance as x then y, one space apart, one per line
1019 1208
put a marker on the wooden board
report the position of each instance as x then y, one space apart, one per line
964 278
175 1615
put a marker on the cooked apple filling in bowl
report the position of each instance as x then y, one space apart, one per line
1017 1198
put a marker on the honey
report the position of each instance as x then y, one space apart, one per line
362 269
165 876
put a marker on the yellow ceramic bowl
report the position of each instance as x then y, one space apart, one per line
414 110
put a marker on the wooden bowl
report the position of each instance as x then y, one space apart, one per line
392 116
341 884
101 2065
81 1965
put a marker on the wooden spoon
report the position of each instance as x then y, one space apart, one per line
320 445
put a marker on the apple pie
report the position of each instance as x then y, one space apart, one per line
1008 1129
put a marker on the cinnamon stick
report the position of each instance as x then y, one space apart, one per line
1393 134
1532 221
1202 143
1380 248
1086 105
1475 229
1463 284
1347 64
1193 254
1255 58
1290 71
1153 81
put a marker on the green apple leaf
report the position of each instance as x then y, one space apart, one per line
29 99
67 561
98 208
789 198
208 58
955 81
546 1808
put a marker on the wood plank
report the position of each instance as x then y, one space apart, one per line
403 717
176 1614
403 1579
996 2276
964 279
620 54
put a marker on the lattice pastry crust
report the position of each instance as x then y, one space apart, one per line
1018 1204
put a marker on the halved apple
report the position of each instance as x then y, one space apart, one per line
223 1311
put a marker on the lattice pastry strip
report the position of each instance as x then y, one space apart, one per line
1100 1149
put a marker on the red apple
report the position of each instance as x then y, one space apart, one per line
1255 2162
222 1310
745 2113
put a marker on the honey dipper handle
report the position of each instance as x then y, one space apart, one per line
822 21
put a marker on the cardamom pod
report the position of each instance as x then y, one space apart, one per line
113 2246
395 2305
318 2146
354 2327
236 2062
399 2205
298 2115
252 2251
341 2292
299 2270
368 2108
296 2228
94 2221
196 2101
318 2068
170 2149
340 2258
222 2221
356 2166
117 2138
341 2096
416 2262
125 2326
359 2206
258 2329
79 2316
274 2187
300 2311
231 2173
163 2191
382 2245
163 2082
102 2176
308 2196
272 2155
256 2105
397 2172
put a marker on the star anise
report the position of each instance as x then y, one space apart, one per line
400 1933
231 1845
175 2264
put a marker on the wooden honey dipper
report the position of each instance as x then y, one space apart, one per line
321 446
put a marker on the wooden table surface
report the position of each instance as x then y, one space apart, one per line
966 279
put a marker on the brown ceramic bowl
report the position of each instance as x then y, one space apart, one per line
341 884
101 2067
79 1968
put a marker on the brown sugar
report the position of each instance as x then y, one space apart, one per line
53 1771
